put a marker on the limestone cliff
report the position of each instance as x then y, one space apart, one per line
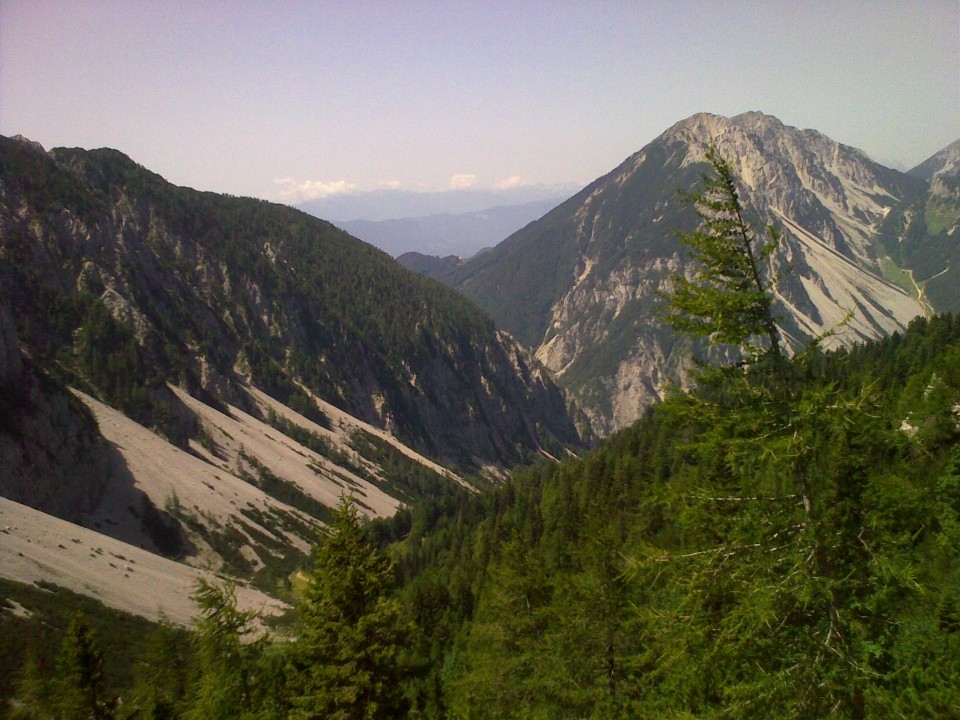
580 285
52 456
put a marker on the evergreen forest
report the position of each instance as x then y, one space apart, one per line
781 538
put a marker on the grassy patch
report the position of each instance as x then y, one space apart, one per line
401 476
940 216
283 490
897 275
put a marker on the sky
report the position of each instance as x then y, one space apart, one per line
288 100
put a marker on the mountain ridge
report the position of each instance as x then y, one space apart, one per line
205 376
579 286
245 279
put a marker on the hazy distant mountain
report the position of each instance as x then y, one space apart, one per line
944 162
393 204
462 235
579 286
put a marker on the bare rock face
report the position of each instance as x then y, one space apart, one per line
943 198
585 296
11 360
52 456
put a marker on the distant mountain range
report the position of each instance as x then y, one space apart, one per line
580 285
387 204
462 235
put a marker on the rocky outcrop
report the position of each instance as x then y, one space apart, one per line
580 286
210 285
52 456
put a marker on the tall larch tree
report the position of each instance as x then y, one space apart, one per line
767 606
80 688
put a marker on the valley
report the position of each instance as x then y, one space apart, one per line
504 461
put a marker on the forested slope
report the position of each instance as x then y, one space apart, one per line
655 578
638 581
124 282
777 540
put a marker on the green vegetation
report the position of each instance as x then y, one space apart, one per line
348 659
897 275
779 541
675 570
915 235
282 490
31 639
939 216
727 301
348 662
400 476
121 282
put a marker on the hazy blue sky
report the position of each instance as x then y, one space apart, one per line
286 99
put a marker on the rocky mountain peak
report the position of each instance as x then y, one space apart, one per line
581 285
944 162
32 144
803 174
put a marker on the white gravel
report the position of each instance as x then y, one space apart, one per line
36 546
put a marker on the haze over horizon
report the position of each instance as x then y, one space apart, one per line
300 100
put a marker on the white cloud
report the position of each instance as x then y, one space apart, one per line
510 182
390 184
294 191
462 181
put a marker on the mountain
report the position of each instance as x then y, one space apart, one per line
944 162
214 288
580 285
389 204
923 235
203 376
462 234
649 578
441 268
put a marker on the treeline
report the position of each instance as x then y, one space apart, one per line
344 655
664 574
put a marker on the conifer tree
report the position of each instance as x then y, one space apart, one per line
161 676
34 692
771 585
226 684
348 663
80 686
729 297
